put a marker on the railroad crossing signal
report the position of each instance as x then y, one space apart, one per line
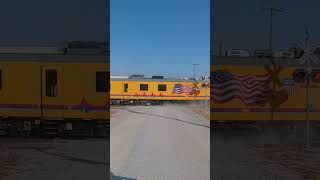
301 75
315 76
309 55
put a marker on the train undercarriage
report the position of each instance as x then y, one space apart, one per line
135 102
148 102
27 127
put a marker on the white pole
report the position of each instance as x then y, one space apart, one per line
307 92
194 76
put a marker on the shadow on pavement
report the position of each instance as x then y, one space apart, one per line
113 177
169 118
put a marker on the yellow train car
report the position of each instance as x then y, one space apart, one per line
157 90
54 94
252 89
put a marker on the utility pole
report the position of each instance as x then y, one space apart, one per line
220 48
194 71
194 76
206 82
307 91
273 12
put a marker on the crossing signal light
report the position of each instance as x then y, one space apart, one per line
299 75
315 76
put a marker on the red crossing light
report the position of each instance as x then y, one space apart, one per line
316 77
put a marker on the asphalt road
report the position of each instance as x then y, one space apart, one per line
274 154
55 159
159 142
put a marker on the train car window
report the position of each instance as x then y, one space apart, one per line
102 81
125 87
162 87
51 83
108 82
143 87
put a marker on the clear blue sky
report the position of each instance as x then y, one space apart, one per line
53 21
159 36
243 24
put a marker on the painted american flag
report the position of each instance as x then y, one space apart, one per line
250 89
180 89
289 86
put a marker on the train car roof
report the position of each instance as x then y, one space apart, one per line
72 58
153 80
254 61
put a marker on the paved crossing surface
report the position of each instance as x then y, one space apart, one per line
276 153
53 159
159 142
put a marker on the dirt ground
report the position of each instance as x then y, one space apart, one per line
295 158
53 159
248 155
201 109
159 142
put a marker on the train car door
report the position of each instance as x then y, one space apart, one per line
51 93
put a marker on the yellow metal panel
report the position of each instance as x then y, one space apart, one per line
21 93
79 86
293 108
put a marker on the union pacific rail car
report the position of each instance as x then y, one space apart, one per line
54 94
148 90
255 90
